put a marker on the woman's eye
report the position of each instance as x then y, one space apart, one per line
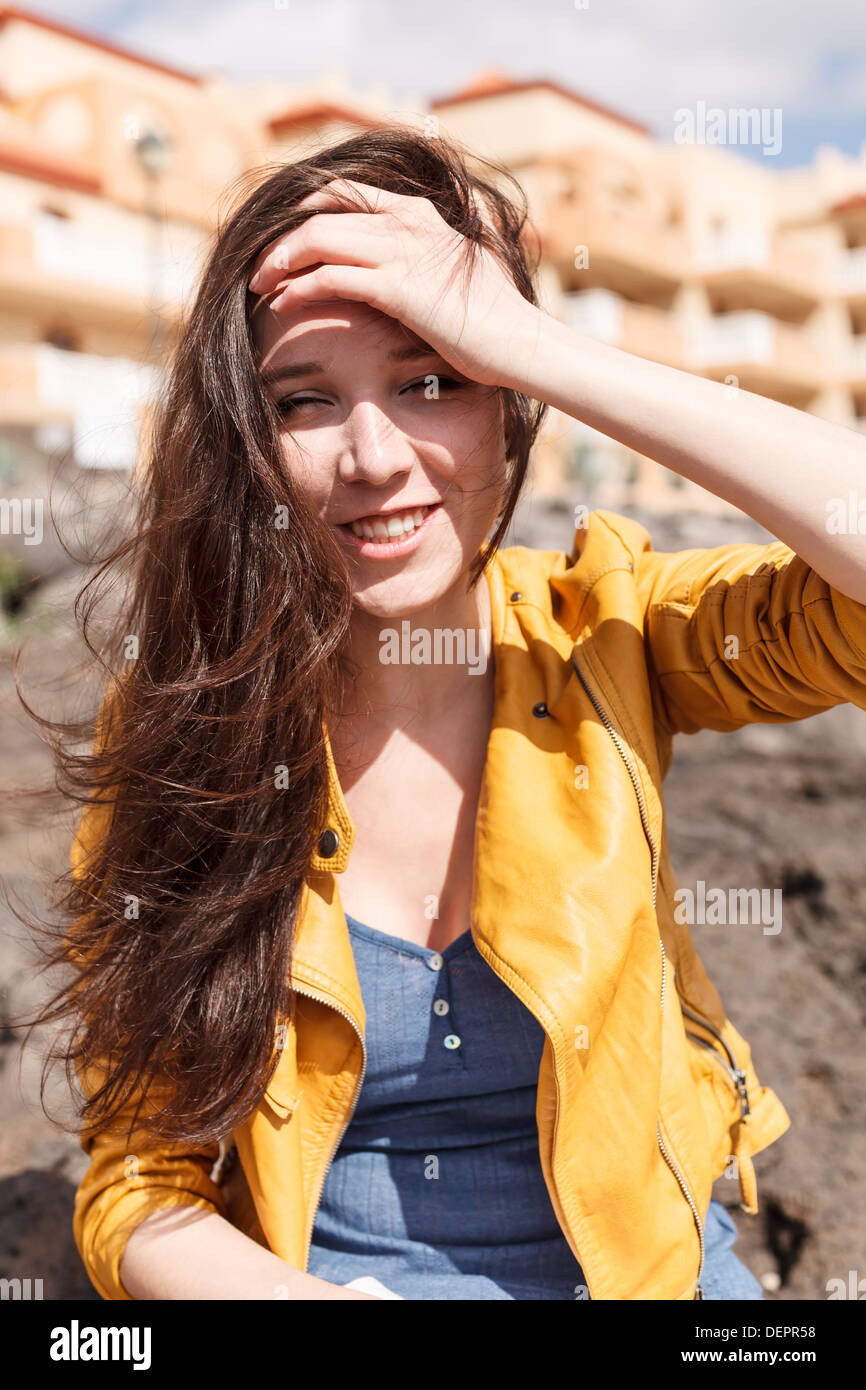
290 403
449 383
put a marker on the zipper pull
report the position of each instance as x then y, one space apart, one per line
746 1170
745 1107
700 1292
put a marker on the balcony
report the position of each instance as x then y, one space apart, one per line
628 254
101 280
629 225
852 276
636 328
767 357
749 269
101 399
856 365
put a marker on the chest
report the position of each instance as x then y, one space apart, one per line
414 808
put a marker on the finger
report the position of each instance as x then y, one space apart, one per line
327 282
343 238
323 200
380 199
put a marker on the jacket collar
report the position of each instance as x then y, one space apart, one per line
518 579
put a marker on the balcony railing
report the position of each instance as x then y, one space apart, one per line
728 250
598 313
71 251
857 356
753 337
852 271
745 337
636 328
763 263
100 398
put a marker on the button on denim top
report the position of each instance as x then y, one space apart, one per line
436 1188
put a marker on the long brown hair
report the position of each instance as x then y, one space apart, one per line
224 661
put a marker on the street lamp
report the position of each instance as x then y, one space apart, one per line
153 151
154 154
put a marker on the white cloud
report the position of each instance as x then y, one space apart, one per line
645 60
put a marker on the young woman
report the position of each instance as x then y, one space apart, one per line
379 969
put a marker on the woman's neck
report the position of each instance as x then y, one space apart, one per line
422 668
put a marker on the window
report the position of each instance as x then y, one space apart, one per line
63 338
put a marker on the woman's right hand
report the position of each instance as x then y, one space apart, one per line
370 1285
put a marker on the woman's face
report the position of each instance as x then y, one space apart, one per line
376 428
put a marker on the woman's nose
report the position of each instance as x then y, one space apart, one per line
374 447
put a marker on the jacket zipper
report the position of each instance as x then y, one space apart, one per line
737 1075
553 1194
324 999
635 780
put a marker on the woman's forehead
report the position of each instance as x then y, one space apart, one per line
330 325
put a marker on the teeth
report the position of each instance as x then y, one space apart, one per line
401 524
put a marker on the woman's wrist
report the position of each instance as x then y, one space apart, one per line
523 357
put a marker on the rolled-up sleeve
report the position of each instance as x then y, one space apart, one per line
130 1176
745 634
124 1184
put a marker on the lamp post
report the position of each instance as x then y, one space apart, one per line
153 152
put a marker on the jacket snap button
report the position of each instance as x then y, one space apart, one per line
540 710
452 1041
516 595
328 843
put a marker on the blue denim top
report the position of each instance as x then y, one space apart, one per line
436 1188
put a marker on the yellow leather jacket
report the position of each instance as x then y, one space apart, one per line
646 1092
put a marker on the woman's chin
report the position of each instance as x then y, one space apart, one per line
401 601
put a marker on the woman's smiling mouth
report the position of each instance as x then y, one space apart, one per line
389 534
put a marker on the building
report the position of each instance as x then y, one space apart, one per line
113 169
685 253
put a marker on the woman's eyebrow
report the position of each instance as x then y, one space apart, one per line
296 369
411 352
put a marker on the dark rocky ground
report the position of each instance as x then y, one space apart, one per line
769 806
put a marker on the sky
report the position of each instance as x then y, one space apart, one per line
646 60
